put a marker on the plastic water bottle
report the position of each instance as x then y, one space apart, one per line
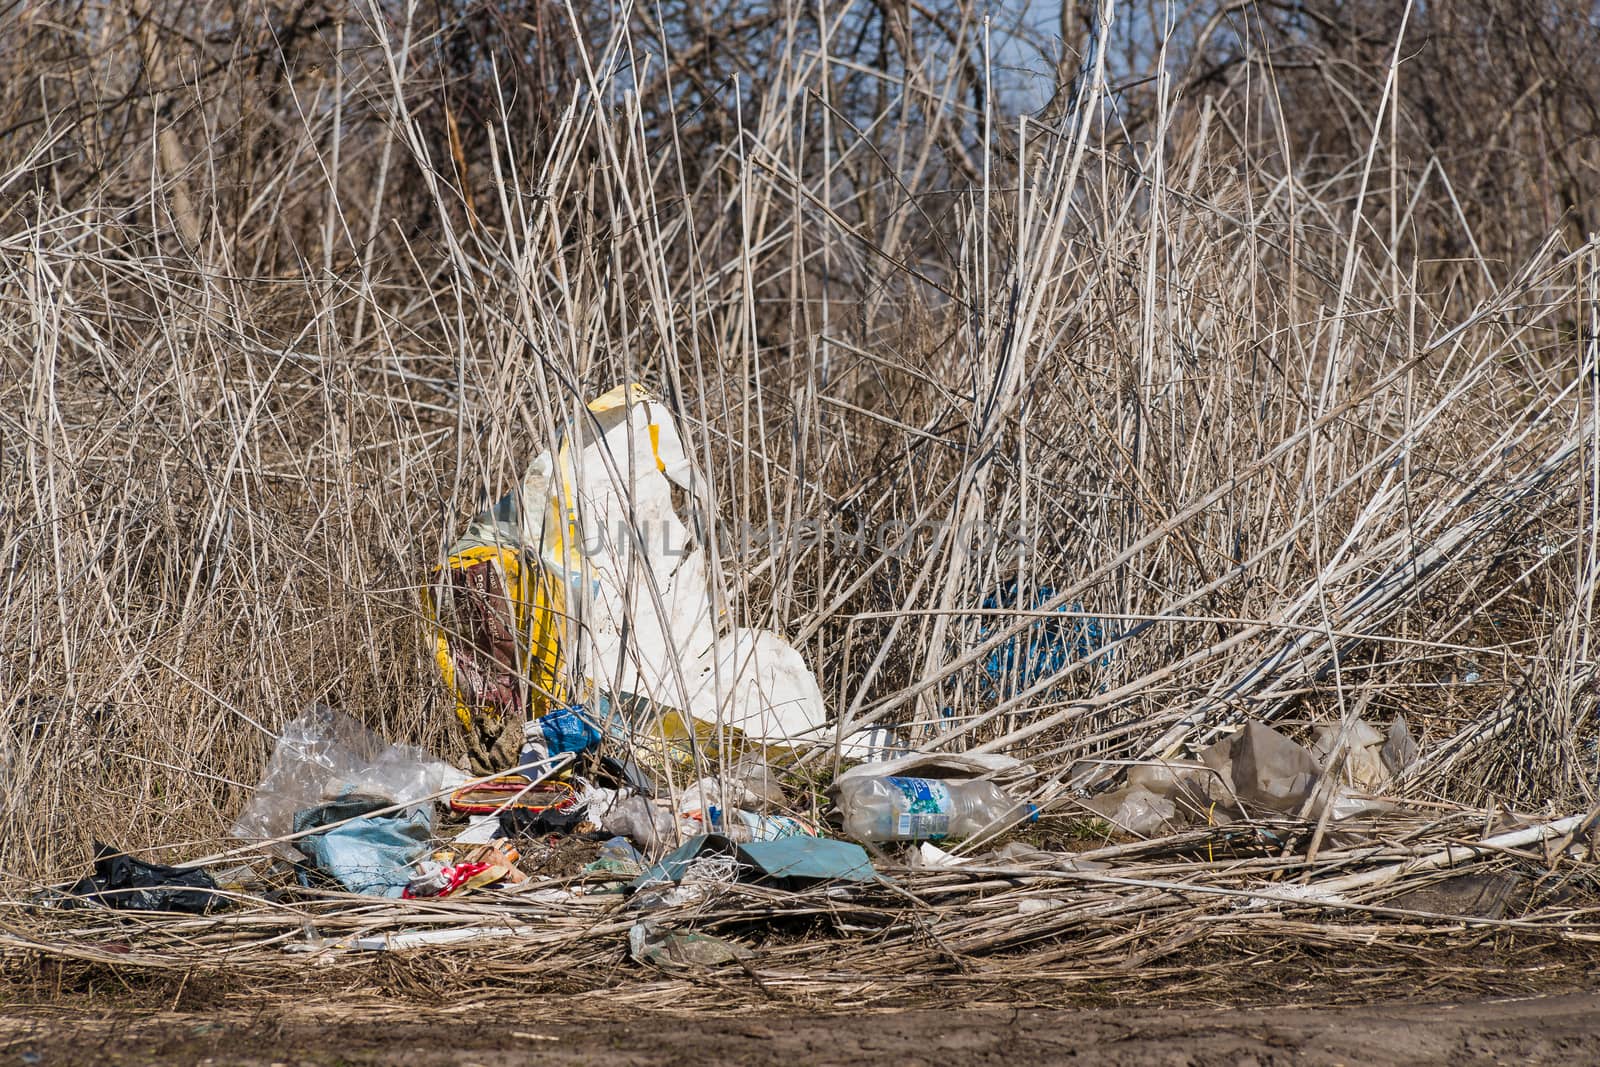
925 809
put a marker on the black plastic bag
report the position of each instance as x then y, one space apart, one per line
120 881
517 822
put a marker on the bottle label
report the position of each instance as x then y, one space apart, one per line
928 805
922 825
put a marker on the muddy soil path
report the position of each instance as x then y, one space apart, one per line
1538 1029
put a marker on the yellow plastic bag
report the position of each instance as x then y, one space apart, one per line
494 621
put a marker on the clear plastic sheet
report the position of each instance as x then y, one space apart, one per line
324 755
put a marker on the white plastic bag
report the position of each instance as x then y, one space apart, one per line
1363 763
653 624
1136 810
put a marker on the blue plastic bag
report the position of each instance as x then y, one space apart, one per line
569 730
372 856
1044 649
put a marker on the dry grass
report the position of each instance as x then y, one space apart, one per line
279 310
1160 921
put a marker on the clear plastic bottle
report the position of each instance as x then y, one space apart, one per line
925 809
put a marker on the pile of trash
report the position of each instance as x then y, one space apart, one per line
644 779
629 748
616 727
339 812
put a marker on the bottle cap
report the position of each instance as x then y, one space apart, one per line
1033 813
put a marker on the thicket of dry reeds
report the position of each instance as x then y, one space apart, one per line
1269 346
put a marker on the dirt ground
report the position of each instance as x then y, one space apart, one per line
1537 1029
